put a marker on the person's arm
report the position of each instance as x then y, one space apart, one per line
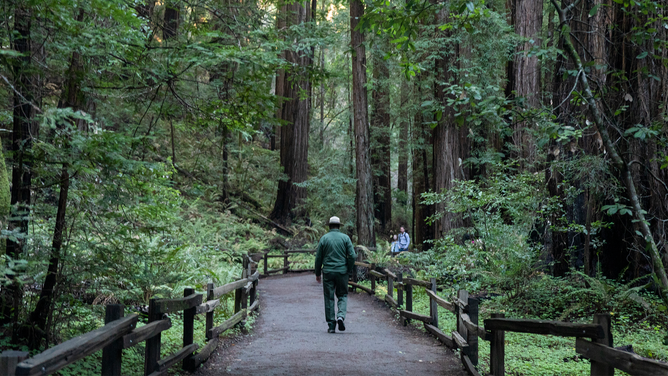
318 261
408 240
351 256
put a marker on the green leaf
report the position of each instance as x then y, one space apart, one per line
642 55
593 10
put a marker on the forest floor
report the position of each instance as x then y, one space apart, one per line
290 338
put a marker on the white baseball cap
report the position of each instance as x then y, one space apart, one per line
334 221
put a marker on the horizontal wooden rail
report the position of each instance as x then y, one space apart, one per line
277 270
555 328
357 285
628 362
145 332
444 338
77 348
440 301
389 273
363 264
301 251
468 365
164 364
254 306
227 324
175 305
473 328
417 282
459 340
228 288
277 256
415 316
376 274
207 307
390 300
254 277
205 353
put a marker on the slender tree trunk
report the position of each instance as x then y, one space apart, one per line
22 161
364 199
72 98
295 133
380 134
402 149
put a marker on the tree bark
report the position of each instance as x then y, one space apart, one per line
619 163
421 140
402 149
524 74
295 132
364 198
380 133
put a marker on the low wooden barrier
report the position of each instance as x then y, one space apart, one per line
286 262
593 341
120 332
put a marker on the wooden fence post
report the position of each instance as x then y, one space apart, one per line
409 301
9 360
390 286
373 278
112 354
188 328
433 307
209 315
266 262
497 349
286 263
597 368
253 292
152 352
472 338
463 296
400 291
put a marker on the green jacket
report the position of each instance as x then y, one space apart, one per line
336 253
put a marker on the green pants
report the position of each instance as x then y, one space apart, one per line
335 283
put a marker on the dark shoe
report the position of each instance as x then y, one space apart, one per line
331 331
342 328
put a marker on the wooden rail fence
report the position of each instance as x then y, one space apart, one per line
592 341
120 332
265 256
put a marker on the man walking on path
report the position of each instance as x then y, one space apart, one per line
335 258
404 239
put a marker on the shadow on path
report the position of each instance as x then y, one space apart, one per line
290 338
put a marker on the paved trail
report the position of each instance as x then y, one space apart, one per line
290 338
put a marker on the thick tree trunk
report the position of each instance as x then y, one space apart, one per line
364 199
619 163
421 141
450 141
524 73
22 161
380 133
295 132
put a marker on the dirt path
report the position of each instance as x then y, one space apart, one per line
290 338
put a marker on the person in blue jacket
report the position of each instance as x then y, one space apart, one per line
404 239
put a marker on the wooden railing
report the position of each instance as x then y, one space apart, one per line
286 262
593 341
120 332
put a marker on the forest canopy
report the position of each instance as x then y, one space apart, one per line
149 145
